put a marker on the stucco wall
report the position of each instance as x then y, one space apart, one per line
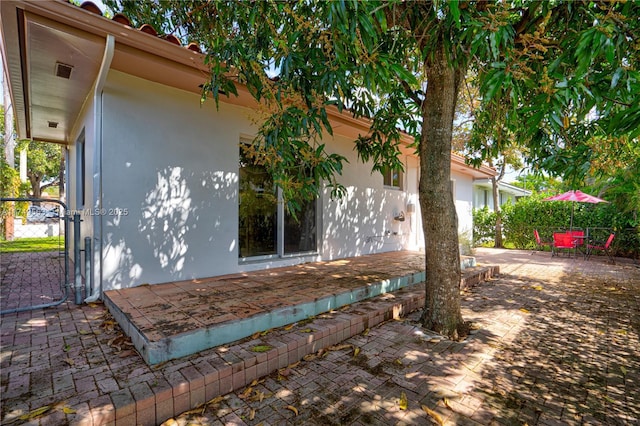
170 182
464 201
363 221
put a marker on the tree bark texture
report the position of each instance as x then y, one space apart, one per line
439 218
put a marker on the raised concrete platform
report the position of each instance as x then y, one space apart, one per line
173 320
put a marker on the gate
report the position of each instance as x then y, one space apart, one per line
35 265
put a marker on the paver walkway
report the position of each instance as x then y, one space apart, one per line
556 342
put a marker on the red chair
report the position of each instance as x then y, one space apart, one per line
562 240
601 247
578 236
541 244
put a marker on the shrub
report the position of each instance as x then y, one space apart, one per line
529 213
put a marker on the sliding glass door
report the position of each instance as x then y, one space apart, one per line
265 228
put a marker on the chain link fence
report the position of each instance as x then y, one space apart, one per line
34 256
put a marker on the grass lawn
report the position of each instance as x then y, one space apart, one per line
24 245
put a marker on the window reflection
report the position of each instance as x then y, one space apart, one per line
259 220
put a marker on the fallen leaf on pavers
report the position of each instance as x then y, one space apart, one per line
445 401
108 325
284 372
126 353
366 332
264 333
624 370
68 410
306 321
83 332
356 351
35 413
170 422
69 361
622 332
289 327
435 416
97 332
261 348
259 396
404 402
216 400
523 310
66 348
309 357
94 304
255 335
252 414
292 408
159 366
200 409
339 347
256 382
398 361
537 287
306 330
246 393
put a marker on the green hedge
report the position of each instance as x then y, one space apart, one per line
529 213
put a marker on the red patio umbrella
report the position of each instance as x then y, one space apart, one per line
575 196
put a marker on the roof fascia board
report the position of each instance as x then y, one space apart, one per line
74 16
10 15
89 22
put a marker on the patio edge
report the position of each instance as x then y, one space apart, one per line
217 375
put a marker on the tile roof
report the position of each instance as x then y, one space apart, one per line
145 28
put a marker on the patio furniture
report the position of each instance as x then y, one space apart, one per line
562 241
606 247
541 244
579 239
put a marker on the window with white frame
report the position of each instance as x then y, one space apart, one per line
392 178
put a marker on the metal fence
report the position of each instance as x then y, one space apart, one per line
34 254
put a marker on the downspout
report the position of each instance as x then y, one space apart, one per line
98 220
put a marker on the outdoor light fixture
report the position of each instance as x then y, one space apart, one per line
63 70
399 217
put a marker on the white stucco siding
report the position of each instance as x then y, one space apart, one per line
363 222
170 191
173 165
464 201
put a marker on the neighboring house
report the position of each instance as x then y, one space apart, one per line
507 193
160 178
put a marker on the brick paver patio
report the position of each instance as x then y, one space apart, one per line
555 341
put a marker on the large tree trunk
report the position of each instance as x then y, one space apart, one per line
36 191
439 218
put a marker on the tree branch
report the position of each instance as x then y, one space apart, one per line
50 184
411 93
628 105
